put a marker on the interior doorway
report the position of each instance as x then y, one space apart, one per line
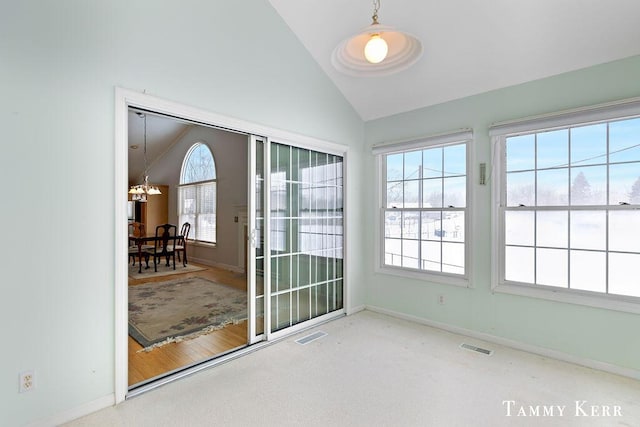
183 312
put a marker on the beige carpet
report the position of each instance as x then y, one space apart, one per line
372 370
163 270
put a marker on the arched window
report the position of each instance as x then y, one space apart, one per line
197 193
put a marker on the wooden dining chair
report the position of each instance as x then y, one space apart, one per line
181 245
164 245
136 229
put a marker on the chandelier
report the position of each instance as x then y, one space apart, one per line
140 192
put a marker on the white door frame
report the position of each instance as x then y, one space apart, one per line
125 98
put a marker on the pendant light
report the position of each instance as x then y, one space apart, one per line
140 192
377 50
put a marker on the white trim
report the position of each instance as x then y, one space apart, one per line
356 309
290 330
571 296
346 289
76 412
251 244
424 275
266 282
183 111
577 116
432 140
121 316
529 348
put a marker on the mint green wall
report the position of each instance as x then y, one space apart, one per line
585 332
59 64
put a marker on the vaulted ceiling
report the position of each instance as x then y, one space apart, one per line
470 47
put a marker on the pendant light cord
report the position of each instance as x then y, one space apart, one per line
376 7
145 144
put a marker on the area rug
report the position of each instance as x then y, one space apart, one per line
163 270
164 312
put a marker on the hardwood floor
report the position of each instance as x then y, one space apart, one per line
146 365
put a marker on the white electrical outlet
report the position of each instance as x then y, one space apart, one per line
441 299
27 381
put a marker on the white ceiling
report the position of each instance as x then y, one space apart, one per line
470 46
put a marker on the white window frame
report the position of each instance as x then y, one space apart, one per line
625 109
197 185
463 136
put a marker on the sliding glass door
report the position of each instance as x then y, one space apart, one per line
296 250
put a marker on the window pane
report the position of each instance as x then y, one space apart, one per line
624 270
521 189
394 194
553 149
519 228
394 167
411 225
455 160
552 187
624 231
588 230
453 224
412 165
589 185
432 193
624 183
392 224
432 163
455 192
284 163
431 256
431 226
589 145
410 253
453 258
521 152
199 165
552 229
393 252
624 141
551 267
588 271
519 264
411 194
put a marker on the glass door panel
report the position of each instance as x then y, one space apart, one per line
256 256
306 235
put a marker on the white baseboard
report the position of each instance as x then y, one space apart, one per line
354 310
77 412
530 348
210 263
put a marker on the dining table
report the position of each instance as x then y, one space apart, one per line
140 241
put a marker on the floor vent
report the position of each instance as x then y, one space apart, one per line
476 349
311 337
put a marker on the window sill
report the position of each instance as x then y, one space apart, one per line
440 279
609 302
203 244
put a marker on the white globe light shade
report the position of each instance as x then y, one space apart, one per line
376 49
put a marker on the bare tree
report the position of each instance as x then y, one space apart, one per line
580 190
